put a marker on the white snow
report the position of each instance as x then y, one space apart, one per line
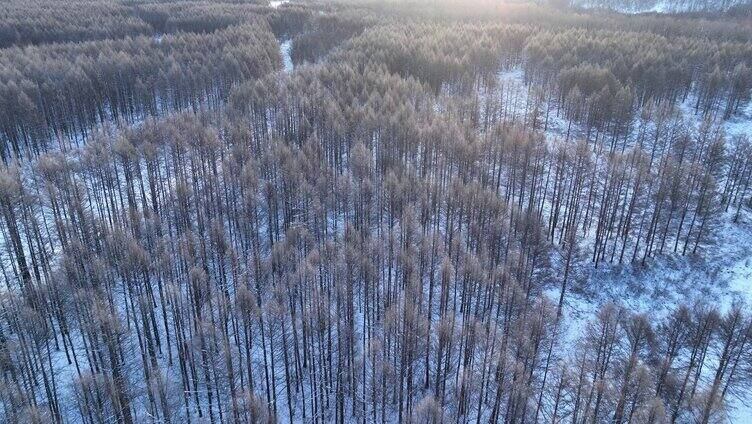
741 411
740 281
285 48
741 123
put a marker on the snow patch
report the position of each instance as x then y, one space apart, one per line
285 49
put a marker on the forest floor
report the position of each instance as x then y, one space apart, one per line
721 274
285 47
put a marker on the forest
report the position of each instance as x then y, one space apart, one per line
362 211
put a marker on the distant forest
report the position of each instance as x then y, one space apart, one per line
716 7
396 229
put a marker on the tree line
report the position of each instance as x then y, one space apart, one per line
609 72
716 72
41 21
61 92
57 94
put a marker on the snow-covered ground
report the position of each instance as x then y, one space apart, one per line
721 275
738 124
285 48
741 411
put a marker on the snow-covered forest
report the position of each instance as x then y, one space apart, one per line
452 211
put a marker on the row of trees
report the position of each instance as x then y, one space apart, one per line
198 17
606 72
444 57
615 72
325 32
27 22
50 21
56 94
467 58
716 72
62 92
36 22
706 26
666 193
